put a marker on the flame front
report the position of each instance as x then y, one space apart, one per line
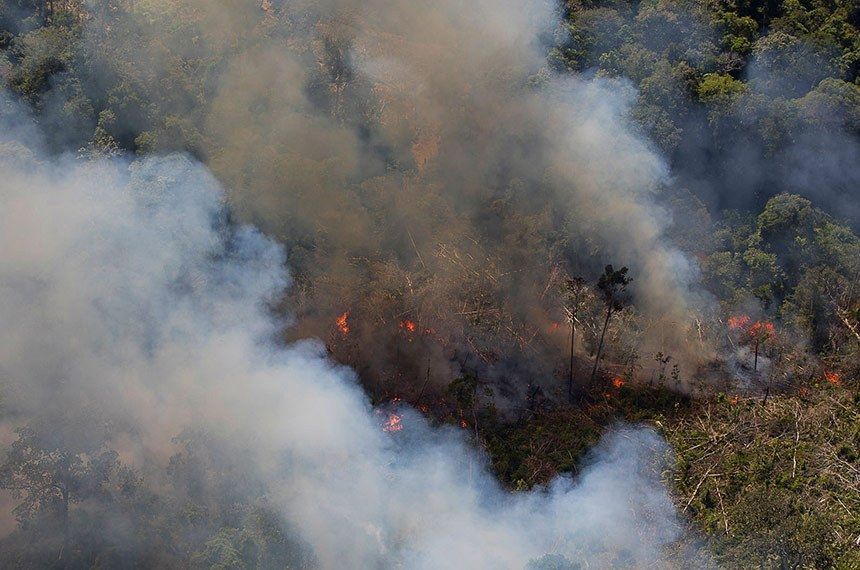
739 322
760 330
342 323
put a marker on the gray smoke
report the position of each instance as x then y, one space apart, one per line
418 160
125 288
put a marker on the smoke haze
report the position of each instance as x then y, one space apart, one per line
139 305
419 161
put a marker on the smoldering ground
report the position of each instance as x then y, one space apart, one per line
136 311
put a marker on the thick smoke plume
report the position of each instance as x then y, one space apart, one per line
420 163
132 301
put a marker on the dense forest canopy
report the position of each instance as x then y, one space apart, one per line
525 220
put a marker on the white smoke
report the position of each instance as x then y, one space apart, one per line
125 286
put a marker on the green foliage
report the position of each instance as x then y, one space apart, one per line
739 32
767 482
779 259
464 391
720 90
833 103
40 55
772 486
528 453
79 506
765 71
787 66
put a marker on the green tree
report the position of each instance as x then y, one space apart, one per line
54 464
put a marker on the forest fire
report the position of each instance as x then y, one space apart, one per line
760 330
549 235
342 323
394 423
756 333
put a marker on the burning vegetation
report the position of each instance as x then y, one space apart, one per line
756 333
393 423
342 324
832 377
524 253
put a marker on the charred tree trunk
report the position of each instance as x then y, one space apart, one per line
572 349
755 359
600 344
64 521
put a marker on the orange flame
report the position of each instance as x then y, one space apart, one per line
408 325
758 330
617 382
342 323
553 327
832 377
394 423
762 329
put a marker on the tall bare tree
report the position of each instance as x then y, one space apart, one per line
576 298
612 286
